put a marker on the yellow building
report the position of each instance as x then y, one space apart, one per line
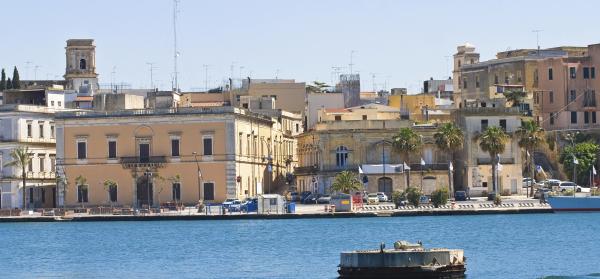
136 157
420 108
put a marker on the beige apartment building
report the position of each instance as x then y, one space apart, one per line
566 98
151 156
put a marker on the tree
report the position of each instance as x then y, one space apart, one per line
514 97
80 181
3 80
493 141
317 87
449 138
413 195
439 197
108 185
531 136
9 84
16 81
406 142
346 182
586 154
21 159
398 197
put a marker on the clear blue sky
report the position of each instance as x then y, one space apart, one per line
403 42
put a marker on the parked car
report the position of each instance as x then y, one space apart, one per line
324 199
538 193
373 198
249 205
424 200
382 197
549 183
460 196
568 185
235 206
528 182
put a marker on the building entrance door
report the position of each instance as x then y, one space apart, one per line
384 184
144 192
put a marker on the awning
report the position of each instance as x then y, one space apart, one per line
379 169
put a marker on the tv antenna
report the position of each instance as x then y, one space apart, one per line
537 39
151 64
175 51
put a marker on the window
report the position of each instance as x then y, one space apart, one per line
52 103
112 149
364 117
586 72
341 156
573 117
30 163
572 72
42 159
338 118
81 150
177 191
594 117
175 147
586 117
144 149
297 128
52 133
53 163
484 124
29 132
476 81
550 74
551 97
82 193
30 195
572 96
506 78
207 144
503 124
43 195
209 191
495 78
459 63
41 130
59 103
82 64
552 117
465 83
112 192
593 72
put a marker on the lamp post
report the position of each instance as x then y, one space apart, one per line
148 175
200 194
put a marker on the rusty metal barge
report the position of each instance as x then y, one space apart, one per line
406 260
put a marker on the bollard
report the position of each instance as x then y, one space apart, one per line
332 207
453 204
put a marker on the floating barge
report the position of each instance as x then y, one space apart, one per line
406 260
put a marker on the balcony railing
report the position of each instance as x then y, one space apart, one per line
488 161
305 170
151 161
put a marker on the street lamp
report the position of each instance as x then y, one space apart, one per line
200 195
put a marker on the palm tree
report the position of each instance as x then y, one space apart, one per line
493 141
449 138
346 182
515 97
531 136
316 87
21 159
406 142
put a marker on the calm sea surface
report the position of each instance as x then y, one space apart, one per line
496 246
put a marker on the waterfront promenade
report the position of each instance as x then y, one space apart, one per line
477 206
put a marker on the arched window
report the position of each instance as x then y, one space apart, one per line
82 64
341 156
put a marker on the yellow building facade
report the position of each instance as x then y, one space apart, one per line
140 157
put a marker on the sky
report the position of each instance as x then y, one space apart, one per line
392 43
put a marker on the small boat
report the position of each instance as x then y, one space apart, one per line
406 260
579 202
63 219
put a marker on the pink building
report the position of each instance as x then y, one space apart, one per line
567 91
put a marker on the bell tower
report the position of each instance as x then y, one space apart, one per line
80 74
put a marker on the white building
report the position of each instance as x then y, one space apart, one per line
33 127
317 101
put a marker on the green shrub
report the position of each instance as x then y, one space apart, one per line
498 200
439 197
567 193
398 197
413 195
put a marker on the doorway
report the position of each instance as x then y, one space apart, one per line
144 192
384 184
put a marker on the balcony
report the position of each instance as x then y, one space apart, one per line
488 161
306 170
589 101
143 162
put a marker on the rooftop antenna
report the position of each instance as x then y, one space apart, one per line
205 66
175 51
351 58
537 39
151 64
335 71
112 78
277 74
373 75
